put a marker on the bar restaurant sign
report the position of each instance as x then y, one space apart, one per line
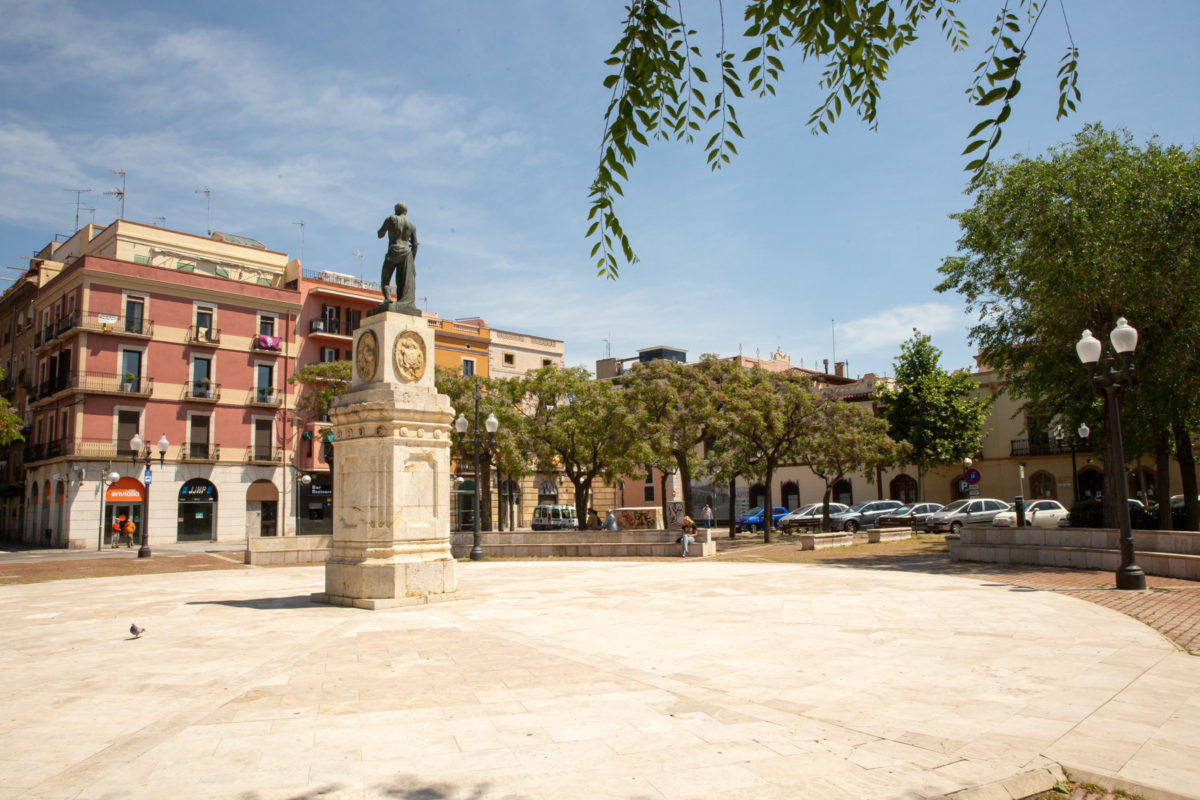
197 490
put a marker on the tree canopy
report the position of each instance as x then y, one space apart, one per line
661 90
1097 229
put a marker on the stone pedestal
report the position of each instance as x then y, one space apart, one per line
391 473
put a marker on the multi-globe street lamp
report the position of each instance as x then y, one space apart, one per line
460 425
135 444
107 479
1110 378
1059 435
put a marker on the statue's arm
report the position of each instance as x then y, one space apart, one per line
382 230
413 241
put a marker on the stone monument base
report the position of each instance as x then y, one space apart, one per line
375 583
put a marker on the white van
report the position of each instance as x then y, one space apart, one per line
555 518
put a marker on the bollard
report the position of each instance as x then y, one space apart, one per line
1019 501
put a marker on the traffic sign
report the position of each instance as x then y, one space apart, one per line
973 475
146 478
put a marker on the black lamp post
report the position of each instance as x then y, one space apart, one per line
1110 378
1084 430
301 480
460 425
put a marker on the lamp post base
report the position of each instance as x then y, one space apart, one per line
1131 578
144 551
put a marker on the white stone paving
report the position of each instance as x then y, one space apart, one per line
581 679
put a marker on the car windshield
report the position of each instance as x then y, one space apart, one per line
808 509
955 506
858 506
902 510
753 511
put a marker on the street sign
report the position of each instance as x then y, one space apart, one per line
146 478
973 476
962 484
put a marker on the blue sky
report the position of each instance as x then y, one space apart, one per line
485 118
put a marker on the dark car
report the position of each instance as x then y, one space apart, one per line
910 516
862 515
752 520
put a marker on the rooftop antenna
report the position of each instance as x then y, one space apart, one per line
88 208
607 346
301 224
77 192
208 213
119 193
358 256
164 222
425 300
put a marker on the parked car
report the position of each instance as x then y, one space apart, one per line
861 516
554 518
910 516
1038 514
972 511
809 516
752 520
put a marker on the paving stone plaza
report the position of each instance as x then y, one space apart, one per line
629 679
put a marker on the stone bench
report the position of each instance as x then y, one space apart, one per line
1174 554
876 535
820 541
583 544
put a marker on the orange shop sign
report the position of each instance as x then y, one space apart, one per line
126 490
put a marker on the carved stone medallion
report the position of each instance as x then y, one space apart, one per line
366 359
409 355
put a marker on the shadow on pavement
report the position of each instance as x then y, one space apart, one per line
295 601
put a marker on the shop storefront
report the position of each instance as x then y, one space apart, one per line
123 508
316 507
197 517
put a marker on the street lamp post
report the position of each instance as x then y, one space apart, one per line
1110 378
1084 430
305 480
460 425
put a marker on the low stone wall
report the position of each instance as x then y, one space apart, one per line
265 551
583 544
820 541
876 535
1173 554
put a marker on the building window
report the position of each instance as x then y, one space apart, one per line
468 366
547 362
204 322
128 423
353 320
648 487
264 382
134 311
509 359
266 325
329 354
198 437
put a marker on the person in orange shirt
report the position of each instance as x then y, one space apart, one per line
129 529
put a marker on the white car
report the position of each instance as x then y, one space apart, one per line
808 517
1038 514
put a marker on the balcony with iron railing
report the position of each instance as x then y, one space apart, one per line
201 392
1049 447
199 451
86 382
263 454
78 448
264 397
94 322
210 337
332 327
265 343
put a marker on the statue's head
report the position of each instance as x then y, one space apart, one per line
401 208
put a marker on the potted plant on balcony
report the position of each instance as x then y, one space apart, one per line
204 387
128 382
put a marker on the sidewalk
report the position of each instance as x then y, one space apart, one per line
652 679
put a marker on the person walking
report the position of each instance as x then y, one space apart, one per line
129 529
688 535
707 515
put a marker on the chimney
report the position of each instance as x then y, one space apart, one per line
839 369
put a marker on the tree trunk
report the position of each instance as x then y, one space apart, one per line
1187 477
1162 461
732 513
583 492
662 497
685 483
825 506
768 505
921 482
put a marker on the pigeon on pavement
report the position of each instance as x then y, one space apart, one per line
136 631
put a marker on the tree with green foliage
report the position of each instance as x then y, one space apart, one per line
661 91
940 416
503 451
677 407
1097 229
582 426
320 384
770 415
10 423
846 440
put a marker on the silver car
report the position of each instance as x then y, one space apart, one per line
971 511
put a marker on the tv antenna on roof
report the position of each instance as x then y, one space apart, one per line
88 208
119 193
77 192
607 346
207 214
358 256
301 224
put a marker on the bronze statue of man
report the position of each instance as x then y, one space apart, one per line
400 259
